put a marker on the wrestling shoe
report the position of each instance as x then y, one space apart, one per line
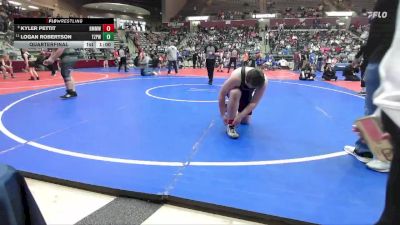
231 132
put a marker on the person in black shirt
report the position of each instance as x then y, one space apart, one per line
319 61
154 62
194 58
307 72
363 67
350 72
329 73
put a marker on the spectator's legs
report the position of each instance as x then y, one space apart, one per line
33 73
120 64
372 82
4 71
229 64
319 65
362 81
11 71
123 59
175 66
169 66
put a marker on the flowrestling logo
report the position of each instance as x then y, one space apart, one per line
377 14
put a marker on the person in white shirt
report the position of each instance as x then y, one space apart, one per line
172 57
143 63
122 61
387 99
283 63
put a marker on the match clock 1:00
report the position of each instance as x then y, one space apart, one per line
108 36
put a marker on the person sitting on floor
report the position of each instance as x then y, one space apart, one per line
307 72
329 73
283 63
350 72
143 63
6 65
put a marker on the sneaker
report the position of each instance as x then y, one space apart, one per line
379 166
363 93
364 157
69 95
231 131
209 82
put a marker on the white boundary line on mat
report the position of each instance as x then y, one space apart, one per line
21 140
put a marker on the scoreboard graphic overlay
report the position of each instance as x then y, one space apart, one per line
64 32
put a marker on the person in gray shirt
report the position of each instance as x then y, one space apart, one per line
172 57
234 54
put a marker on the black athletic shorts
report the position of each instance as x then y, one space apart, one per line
245 99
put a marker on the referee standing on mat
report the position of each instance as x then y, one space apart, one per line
210 51
122 61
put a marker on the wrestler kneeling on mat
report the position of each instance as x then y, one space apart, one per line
244 88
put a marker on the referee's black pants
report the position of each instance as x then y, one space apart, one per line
210 64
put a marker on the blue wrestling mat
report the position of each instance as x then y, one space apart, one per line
162 137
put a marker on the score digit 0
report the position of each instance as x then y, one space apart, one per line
108 27
108 36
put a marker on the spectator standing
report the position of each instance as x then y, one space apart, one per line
172 57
